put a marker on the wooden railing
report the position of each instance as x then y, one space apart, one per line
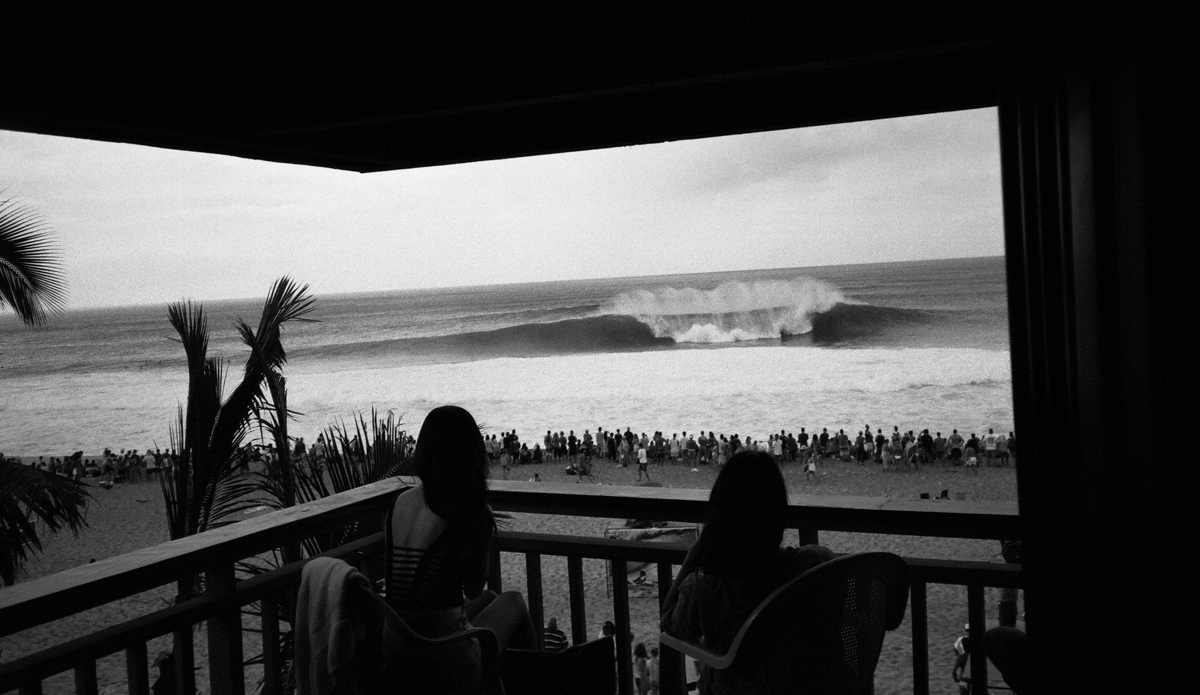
215 554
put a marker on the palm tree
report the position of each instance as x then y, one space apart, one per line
202 491
30 273
31 283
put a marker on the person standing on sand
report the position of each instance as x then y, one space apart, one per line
643 461
955 444
641 669
654 670
989 447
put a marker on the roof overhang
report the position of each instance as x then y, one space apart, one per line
400 87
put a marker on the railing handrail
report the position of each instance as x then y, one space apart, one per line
73 590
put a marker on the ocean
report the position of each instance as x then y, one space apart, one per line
913 344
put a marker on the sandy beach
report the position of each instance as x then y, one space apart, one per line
130 516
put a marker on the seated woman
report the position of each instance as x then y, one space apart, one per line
735 563
437 536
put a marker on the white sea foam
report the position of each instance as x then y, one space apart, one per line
730 312
747 390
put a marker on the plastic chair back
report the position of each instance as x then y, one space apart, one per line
820 632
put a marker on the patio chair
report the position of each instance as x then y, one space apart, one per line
821 632
348 657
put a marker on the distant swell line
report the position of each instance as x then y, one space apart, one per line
571 336
618 333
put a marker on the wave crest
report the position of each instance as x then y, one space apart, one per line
730 312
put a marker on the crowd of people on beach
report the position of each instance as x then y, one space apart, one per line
110 467
893 450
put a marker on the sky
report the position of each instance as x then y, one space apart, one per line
140 225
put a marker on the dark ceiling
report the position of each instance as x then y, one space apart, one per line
443 83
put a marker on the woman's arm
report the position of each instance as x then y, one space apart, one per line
690 563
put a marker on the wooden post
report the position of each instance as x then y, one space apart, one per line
270 646
920 639
495 582
665 579
137 669
807 536
579 629
184 659
225 634
976 614
620 580
85 679
533 581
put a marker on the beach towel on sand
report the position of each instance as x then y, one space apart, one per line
337 630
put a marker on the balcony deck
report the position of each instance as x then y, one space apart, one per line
213 554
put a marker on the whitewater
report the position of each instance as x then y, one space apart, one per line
730 312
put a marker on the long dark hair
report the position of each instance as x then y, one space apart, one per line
747 510
451 461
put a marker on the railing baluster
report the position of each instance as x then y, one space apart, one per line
978 618
225 670
270 646
185 662
137 669
620 580
920 638
495 582
579 630
664 583
85 679
533 582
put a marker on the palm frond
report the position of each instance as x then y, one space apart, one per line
285 302
29 495
30 267
231 498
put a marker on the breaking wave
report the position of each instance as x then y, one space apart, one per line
730 312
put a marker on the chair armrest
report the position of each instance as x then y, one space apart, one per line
704 656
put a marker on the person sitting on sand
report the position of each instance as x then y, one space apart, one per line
437 537
734 564
581 469
972 463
